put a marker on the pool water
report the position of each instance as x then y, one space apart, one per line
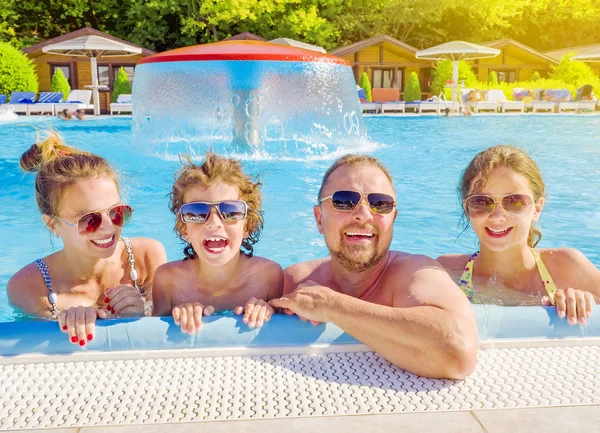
424 154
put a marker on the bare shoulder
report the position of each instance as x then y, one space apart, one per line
564 256
151 249
571 265
269 273
304 271
27 290
166 280
453 262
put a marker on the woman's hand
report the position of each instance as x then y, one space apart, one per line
189 316
124 301
576 305
80 323
256 312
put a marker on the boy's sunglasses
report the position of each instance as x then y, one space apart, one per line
347 201
198 212
481 206
119 215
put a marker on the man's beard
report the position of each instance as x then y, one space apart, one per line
357 258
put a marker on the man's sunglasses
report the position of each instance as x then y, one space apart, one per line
347 201
481 206
198 212
119 215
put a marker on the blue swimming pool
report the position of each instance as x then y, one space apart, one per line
424 154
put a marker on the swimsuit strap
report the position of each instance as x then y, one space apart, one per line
132 273
545 276
134 277
465 282
52 297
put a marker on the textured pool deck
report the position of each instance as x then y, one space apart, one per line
511 388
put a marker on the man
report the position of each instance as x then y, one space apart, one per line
403 306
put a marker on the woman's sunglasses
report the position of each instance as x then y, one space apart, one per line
481 206
199 211
119 215
347 201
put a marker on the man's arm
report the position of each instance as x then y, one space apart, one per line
429 330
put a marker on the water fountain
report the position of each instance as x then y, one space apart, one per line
246 97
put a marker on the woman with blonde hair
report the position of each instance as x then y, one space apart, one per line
502 194
97 273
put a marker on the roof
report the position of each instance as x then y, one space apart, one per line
560 53
351 49
246 36
298 44
86 31
501 43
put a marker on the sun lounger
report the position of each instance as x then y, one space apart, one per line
430 106
499 97
124 104
586 106
564 101
393 106
77 100
2 99
368 107
20 100
46 103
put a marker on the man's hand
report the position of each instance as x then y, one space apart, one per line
310 301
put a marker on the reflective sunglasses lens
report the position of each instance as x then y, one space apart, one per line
89 223
516 204
120 215
232 210
380 203
345 201
195 212
479 206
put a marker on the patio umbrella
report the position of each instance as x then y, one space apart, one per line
298 44
94 47
588 56
455 51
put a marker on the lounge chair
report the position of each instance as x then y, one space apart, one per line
586 99
368 107
544 102
19 101
124 104
389 98
485 104
499 97
564 101
77 100
2 99
45 103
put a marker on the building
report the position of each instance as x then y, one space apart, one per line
77 69
559 54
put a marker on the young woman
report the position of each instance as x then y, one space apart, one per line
97 273
502 192
218 216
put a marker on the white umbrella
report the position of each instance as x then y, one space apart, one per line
94 47
455 51
588 56
298 44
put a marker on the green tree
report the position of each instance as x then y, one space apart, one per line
442 73
122 85
17 72
60 83
535 76
493 78
572 72
364 83
412 92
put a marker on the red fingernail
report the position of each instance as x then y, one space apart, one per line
108 307
106 300
65 327
90 337
82 342
112 310
74 339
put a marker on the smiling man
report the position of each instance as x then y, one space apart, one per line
403 306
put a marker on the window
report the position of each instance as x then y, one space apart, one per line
383 78
509 76
108 73
426 78
66 69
